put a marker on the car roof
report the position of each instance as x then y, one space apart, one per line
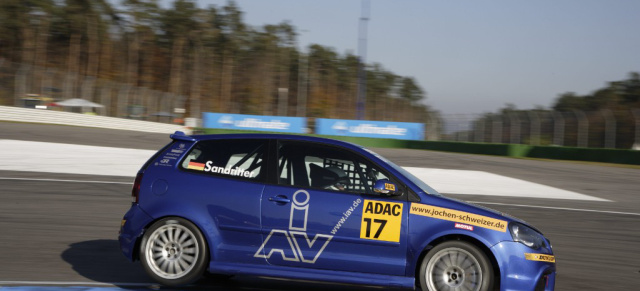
273 136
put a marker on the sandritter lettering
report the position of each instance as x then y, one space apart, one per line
237 171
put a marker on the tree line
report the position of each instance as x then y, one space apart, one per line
209 55
607 117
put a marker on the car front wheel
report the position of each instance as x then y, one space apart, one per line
173 252
456 265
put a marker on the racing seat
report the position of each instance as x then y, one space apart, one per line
321 177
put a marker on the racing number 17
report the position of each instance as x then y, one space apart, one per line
381 220
382 223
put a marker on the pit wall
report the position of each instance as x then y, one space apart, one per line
616 156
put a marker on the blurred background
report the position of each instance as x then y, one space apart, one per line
548 80
165 61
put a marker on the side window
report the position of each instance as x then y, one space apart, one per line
228 158
371 174
323 167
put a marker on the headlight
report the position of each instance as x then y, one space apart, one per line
526 235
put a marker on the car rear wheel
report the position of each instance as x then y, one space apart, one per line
173 252
456 265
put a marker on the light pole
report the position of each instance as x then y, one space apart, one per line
301 109
362 51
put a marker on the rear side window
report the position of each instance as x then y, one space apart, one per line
243 159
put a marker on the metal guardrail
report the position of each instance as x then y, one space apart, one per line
18 114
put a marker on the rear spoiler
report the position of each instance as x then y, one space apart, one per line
179 135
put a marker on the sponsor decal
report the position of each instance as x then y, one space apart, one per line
370 128
171 156
254 122
381 220
195 166
207 167
464 226
237 171
384 130
301 247
345 215
227 120
458 216
390 187
540 257
342 127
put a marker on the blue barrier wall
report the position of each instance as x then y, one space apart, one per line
254 122
375 129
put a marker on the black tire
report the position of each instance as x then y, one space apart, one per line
174 252
456 265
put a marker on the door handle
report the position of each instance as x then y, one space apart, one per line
280 199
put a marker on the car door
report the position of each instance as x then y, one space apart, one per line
323 214
224 179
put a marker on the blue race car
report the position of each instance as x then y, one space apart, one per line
318 209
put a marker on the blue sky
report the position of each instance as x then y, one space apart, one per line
475 56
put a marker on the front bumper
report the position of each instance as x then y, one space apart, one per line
131 229
524 272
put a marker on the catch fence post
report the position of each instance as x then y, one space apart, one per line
583 128
515 127
534 135
610 129
558 128
496 131
636 141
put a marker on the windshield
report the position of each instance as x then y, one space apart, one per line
421 184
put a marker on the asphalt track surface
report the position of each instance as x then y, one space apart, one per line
55 233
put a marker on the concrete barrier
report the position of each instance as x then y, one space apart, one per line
17 114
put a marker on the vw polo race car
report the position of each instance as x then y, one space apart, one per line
318 209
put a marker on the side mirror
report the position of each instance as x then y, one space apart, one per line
385 186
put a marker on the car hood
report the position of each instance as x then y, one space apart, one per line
480 209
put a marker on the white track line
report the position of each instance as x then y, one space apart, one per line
557 208
117 286
62 180
73 283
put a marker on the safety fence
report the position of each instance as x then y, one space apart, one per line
28 86
595 129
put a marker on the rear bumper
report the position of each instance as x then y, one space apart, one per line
519 273
132 228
